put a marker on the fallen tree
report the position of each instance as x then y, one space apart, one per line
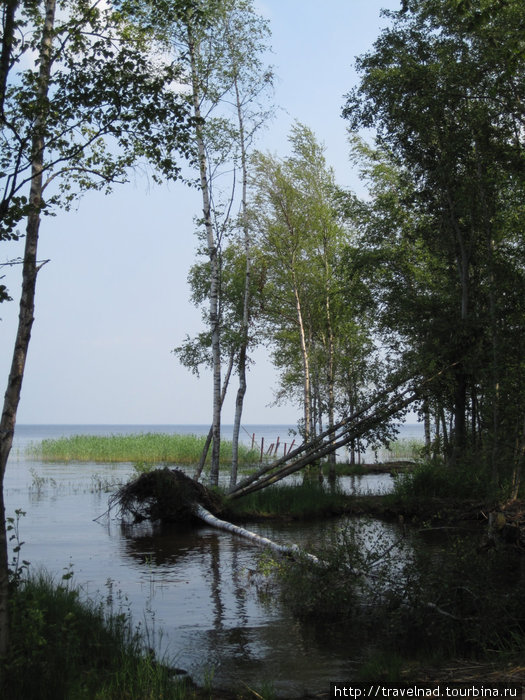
170 495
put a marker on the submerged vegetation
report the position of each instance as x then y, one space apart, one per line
147 448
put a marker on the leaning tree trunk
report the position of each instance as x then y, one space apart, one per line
27 303
213 521
385 405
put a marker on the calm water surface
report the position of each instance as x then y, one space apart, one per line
192 590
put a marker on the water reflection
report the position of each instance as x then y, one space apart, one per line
193 588
200 587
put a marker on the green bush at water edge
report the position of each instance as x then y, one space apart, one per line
434 479
453 600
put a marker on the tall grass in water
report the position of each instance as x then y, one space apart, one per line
144 447
64 649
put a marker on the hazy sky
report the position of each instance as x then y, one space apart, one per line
113 301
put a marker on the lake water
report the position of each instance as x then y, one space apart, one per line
191 590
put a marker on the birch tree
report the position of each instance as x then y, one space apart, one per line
301 237
228 84
91 103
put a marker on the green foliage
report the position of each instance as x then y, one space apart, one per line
405 448
63 648
444 600
385 665
443 87
312 311
19 567
461 600
108 100
353 583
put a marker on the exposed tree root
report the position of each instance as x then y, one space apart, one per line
163 494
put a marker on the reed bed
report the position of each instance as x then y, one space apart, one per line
147 448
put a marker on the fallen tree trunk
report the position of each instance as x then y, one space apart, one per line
170 495
287 549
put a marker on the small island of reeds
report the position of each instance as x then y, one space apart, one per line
147 448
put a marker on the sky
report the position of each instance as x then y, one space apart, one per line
113 301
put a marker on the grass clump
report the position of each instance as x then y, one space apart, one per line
305 500
144 448
63 648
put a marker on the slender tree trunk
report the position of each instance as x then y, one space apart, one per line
446 443
306 366
214 265
27 305
518 463
241 370
437 439
4 586
495 399
239 401
209 437
460 393
426 422
330 368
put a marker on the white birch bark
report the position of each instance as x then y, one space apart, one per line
239 402
306 364
287 549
